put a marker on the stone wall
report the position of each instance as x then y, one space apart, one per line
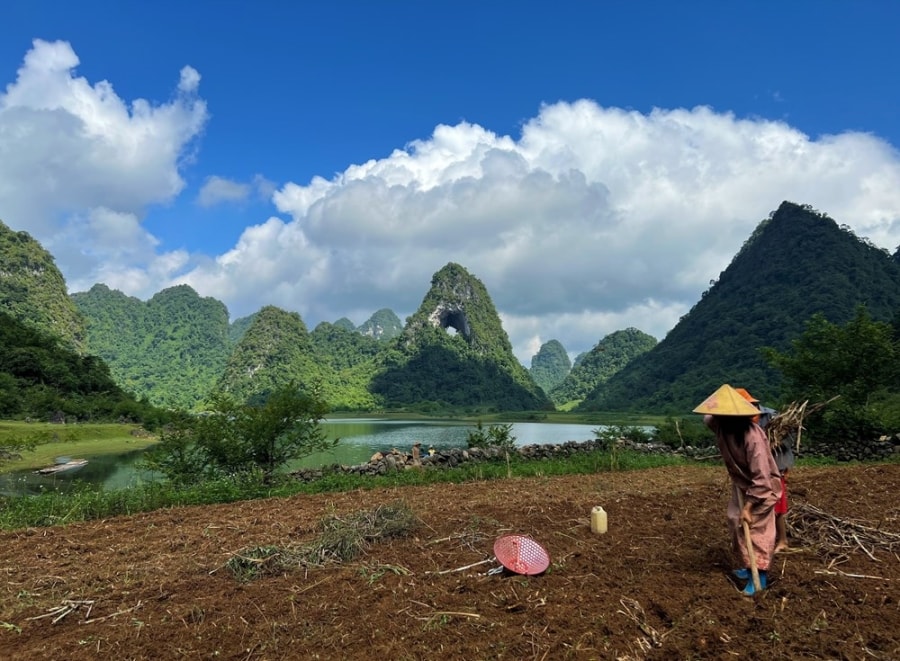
383 463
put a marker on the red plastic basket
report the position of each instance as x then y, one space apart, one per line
521 554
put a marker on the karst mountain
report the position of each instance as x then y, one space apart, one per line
798 262
178 347
454 351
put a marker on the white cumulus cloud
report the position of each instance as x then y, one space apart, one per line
80 165
221 190
216 190
592 220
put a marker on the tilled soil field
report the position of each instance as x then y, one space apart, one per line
655 586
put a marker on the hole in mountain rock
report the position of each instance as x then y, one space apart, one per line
455 322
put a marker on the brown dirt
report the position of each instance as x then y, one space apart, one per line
656 586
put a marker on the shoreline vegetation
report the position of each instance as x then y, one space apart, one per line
90 503
86 503
45 442
51 440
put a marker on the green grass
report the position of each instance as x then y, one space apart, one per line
88 503
51 441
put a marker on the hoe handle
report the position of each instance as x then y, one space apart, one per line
754 572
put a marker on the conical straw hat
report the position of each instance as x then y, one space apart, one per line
727 401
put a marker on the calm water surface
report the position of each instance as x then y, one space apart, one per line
359 438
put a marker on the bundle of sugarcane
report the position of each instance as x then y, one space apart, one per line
832 536
789 422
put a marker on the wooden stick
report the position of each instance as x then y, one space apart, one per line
842 573
474 564
754 572
121 612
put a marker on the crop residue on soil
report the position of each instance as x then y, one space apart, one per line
655 586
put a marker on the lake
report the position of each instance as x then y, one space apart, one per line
360 438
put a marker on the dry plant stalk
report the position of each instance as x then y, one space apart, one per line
340 540
790 422
633 611
838 537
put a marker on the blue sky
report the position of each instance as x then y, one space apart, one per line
329 158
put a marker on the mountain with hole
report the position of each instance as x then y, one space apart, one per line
454 352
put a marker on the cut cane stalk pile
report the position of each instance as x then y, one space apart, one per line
789 422
838 538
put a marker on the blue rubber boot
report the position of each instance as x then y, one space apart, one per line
743 573
750 590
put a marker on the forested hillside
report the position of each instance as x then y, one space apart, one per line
275 350
171 349
33 291
178 347
798 262
609 355
346 362
550 365
455 352
43 379
238 327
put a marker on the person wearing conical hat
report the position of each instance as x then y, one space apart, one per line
783 453
755 478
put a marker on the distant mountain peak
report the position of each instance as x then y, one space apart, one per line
383 325
458 300
474 366
550 365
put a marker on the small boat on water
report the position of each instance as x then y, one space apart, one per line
60 468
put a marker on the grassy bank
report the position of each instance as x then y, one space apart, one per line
49 441
54 508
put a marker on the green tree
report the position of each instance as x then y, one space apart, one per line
856 362
242 438
495 436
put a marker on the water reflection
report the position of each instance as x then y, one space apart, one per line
112 471
359 438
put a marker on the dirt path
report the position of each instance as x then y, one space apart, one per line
656 586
